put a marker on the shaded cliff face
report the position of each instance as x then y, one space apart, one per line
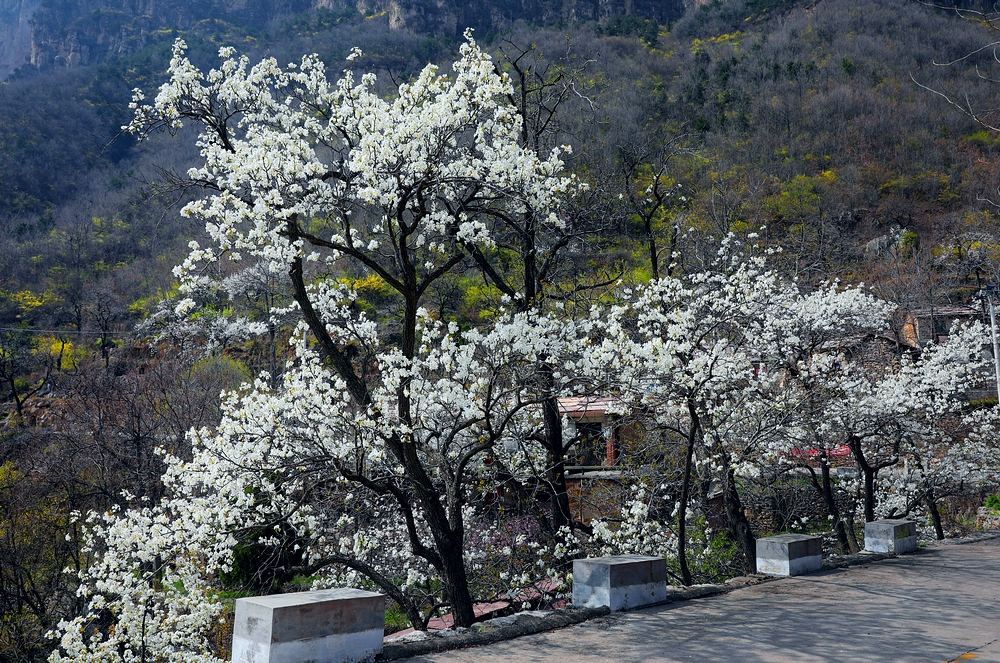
80 32
15 33
451 17
67 33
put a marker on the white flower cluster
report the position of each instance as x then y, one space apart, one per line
289 455
283 146
757 370
360 475
637 533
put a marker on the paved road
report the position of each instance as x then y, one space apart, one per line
939 604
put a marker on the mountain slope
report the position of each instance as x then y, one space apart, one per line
69 33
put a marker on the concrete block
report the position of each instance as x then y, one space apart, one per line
620 582
891 536
326 626
789 554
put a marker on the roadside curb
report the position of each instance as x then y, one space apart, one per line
522 624
844 561
487 633
972 538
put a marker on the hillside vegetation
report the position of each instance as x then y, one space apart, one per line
814 125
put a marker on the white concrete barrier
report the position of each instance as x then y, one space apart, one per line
891 536
621 582
326 626
789 554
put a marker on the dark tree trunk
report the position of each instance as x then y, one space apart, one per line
825 487
456 581
738 525
935 515
931 501
851 536
671 249
561 514
831 505
18 403
685 493
448 533
654 265
869 472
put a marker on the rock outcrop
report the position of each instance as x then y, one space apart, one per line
68 33
451 17
15 33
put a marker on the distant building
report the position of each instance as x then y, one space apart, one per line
924 325
593 421
878 349
593 482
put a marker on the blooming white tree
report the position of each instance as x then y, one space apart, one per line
372 453
948 455
886 414
817 330
687 351
946 460
858 389
745 367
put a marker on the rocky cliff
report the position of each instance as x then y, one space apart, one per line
67 33
78 32
15 33
451 17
